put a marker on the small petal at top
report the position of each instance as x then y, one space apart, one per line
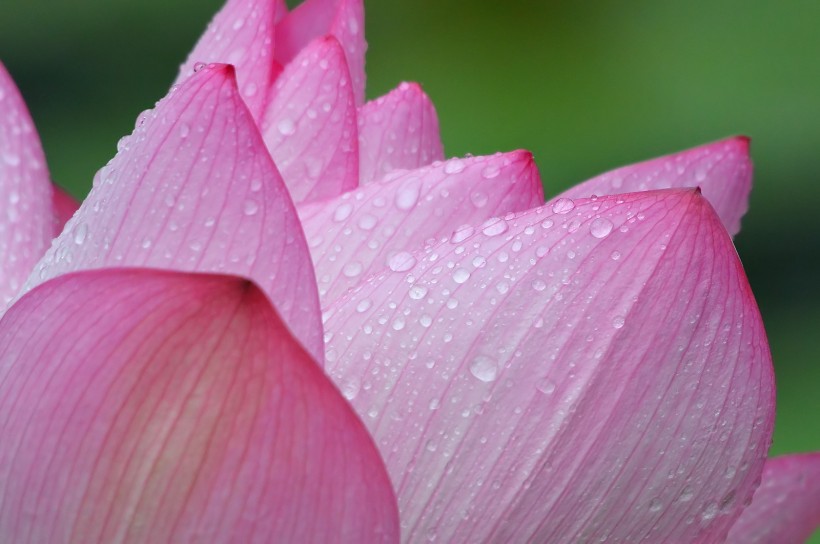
722 170
342 19
786 507
398 131
241 34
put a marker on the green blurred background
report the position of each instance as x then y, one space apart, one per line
587 86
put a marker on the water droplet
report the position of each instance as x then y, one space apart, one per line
479 199
286 127
563 205
454 166
342 212
351 270
615 255
655 505
367 222
184 130
199 66
461 275
461 233
363 305
80 234
490 171
418 292
686 494
407 197
618 321
546 386
600 227
250 207
494 226
10 158
539 285
484 368
710 511
350 388
401 262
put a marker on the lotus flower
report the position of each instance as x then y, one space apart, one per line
280 316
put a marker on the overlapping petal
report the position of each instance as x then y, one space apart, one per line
366 230
310 123
585 370
151 406
786 507
398 131
722 170
241 34
26 225
342 19
194 189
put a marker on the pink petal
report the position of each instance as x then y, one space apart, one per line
64 207
361 232
786 506
194 189
26 224
723 171
152 406
310 124
343 19
281 9
583 370
398 131
242 34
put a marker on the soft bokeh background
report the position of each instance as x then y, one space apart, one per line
587 86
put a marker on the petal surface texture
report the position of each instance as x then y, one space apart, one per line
241 34
26 224
193 189
398 131
723 171
151 406
366 230
582 371
342 19
786 507
310 124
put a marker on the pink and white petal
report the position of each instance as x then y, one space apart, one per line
722 170
242 34
154 406
363 231
398 131
64 206
587 370
343 19
194 189
310 124
786 507
26 223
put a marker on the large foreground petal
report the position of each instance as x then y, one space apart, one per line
398 131
26 224
151 406
722 170
310 124
583 371
241 34
786 507
366 230
342 19
194 189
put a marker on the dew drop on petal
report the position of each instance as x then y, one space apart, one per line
461 233
418 292
286 127
494 226
546 386
342 212
454 166
407 197
80 234
461 275
600 227
250 207
401 262
618 321
563 205
484 368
